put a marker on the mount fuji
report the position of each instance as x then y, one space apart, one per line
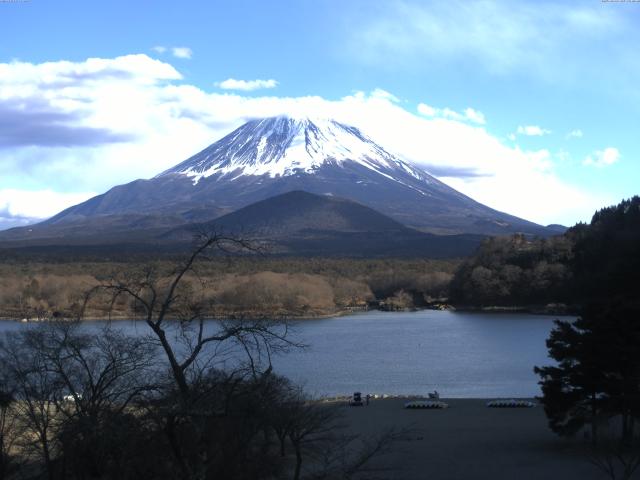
272 156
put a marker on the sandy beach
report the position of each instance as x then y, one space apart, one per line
470 441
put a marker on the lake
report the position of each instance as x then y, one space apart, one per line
460 354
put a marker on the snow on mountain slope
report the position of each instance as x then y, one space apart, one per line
283 146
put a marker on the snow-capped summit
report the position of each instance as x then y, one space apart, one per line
286 145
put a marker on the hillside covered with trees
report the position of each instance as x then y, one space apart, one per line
596 260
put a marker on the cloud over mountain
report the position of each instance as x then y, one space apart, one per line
130 117
469 114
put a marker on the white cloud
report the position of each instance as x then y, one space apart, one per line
539 38
246 85
576 133
532 131
37 204
603 158
474 116
469 114
427 110
178 52
48 80
380 93
165 122
181 52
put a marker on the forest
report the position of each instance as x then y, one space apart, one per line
591 261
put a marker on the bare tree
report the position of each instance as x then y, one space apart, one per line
8 433
318 438
70 386
34 390
311 425
175 312
97 372
165 296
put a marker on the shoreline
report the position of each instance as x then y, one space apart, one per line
533 310
409 397
561 310
119 318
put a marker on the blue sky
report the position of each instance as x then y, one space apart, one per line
529 107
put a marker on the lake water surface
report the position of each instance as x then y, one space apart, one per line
459 354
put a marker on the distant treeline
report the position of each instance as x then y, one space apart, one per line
590 261
239 285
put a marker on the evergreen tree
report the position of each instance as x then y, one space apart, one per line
597 376
572 391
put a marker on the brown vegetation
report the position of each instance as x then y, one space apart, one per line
242 286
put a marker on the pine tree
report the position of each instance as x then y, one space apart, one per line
597 376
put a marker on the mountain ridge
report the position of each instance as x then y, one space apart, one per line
302 223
